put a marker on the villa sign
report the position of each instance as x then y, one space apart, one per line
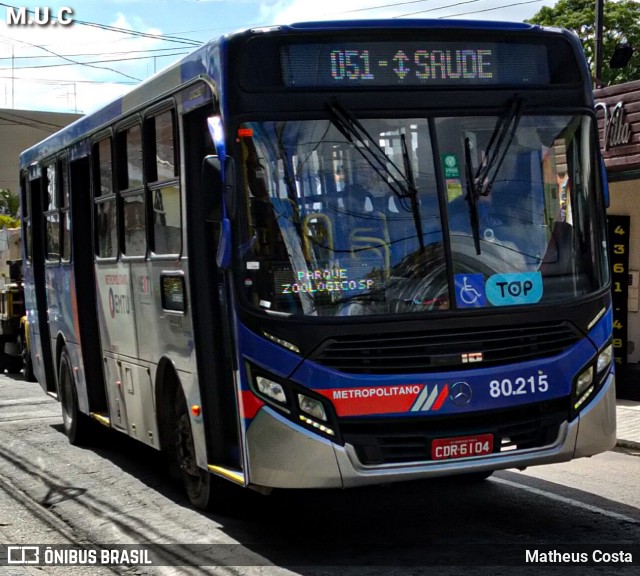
616 130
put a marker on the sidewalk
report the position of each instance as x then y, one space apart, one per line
628 405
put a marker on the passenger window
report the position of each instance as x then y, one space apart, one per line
65 215
133 171
106 226
105 201
52 214
130 182
105 168
164 188
134 225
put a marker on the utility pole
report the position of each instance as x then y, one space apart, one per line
598 46
13 78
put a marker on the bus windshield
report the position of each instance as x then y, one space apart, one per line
343 222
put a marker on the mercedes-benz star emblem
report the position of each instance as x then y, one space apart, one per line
460 393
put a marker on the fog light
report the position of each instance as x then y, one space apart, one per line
584 381
271 389
284 343
584 397
604 358
312 407
317 425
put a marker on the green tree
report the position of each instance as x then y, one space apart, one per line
9 204
8 222
621 22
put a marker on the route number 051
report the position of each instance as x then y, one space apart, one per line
507 387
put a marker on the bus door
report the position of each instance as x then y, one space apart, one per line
82 255
210 304
43 367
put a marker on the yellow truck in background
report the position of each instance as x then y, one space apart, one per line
14 329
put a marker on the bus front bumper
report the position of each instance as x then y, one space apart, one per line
285 455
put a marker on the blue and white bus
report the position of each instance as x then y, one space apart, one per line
330 255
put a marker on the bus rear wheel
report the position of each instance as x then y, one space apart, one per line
76 424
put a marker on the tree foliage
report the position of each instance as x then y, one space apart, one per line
9 208
8 222
621 22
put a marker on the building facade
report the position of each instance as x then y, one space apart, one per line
21 129
619 125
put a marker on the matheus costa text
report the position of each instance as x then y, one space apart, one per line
598 556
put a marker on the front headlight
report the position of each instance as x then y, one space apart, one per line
271 390
291 400
584 381
604 358
592 377
315 409
312 407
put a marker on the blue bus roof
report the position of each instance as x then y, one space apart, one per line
410 23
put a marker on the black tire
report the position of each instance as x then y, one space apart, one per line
204 490
77 426
27 366
196 481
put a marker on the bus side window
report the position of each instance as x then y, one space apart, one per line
65 207
52 213
130 181
163 184
105 201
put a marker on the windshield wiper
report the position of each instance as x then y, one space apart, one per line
481 183
413 190
401 184
472 197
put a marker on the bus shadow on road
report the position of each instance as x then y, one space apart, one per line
404 524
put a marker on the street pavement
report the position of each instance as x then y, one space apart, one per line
628 406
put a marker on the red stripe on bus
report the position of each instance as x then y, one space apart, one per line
441 398
249 404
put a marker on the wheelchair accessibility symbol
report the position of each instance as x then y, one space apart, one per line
470 290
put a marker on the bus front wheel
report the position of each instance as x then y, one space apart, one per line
197 481
206 491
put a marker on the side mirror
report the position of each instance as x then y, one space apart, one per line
221 179
212 172
223 255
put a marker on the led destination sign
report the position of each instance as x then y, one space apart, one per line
440 63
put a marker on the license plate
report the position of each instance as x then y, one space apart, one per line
461 447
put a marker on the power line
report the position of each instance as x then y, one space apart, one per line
53 81
91 62
438 8
491 9
40 57
122 30
29 122
75 62
392 5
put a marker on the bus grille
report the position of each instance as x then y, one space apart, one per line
440 350
389 442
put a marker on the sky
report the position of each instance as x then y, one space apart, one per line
100 49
